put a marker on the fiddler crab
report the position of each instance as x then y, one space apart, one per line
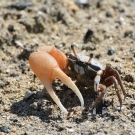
49 63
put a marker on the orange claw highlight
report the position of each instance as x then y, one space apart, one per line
48 63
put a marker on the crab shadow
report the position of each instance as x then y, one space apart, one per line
37 104
41 105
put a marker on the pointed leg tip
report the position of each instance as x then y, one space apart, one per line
120 108
125 96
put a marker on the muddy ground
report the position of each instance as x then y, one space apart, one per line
104 28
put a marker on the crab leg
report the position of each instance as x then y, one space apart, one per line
120 83
112 80
109 81
114 72
47 69
99 98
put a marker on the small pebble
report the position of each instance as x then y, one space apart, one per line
20 5
129 34
11 28
70 130
111 51
4 129
119 108
129 77
19 44
28 95
43 9
83 2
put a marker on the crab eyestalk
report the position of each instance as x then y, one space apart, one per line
72 48
91 56
97 80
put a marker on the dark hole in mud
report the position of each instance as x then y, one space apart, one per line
101 107
88 36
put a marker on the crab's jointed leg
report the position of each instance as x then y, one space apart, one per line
112 80
117 76
103 87
46 68
109 81
113 72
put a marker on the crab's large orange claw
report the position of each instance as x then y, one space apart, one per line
59 56
46 68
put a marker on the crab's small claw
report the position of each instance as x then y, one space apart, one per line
47 69
97 80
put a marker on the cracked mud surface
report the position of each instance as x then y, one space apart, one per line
104 28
